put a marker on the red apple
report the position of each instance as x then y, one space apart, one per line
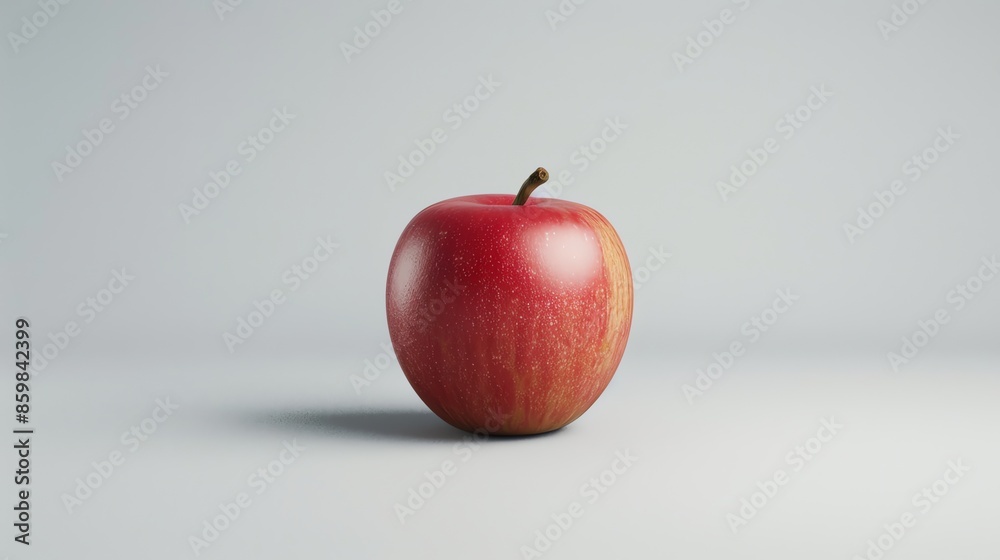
509 314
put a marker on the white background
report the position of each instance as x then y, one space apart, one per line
63 234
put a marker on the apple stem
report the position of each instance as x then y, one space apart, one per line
530 184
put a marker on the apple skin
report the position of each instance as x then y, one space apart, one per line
509 318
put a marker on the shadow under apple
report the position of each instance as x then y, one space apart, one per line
397 425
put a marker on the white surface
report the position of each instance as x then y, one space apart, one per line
695 462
